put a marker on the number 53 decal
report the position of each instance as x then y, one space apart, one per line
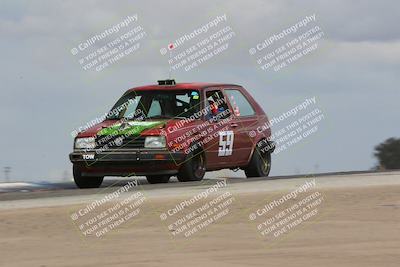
225 143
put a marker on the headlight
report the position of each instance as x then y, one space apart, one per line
85 143
154 141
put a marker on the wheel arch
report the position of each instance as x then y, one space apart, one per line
266 143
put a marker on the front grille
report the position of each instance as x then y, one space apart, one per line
120 142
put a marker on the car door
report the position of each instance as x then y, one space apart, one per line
243 120
220 146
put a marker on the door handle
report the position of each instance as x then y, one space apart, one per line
234 125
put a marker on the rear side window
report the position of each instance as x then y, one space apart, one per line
239 103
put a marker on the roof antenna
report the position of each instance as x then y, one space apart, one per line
170 47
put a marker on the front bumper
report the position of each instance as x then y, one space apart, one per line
127 162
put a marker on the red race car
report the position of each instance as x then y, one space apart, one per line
179 130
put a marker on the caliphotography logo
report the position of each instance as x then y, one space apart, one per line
212 133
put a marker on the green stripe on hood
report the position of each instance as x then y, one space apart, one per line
132 128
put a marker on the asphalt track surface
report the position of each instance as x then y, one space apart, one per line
62 189
357 224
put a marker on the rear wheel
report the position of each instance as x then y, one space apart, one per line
260 164
193 169
157 179
86 181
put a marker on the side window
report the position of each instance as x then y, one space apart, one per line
239 103
182 105
155 109
182 99
132 108
187 104
215 105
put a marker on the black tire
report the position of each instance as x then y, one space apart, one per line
157 179
260 164
86 181
193 169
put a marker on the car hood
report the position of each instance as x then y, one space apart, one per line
134 128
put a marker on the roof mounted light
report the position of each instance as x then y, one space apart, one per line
166 82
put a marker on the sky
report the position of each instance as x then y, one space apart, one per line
46 94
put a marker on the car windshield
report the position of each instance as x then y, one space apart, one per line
156 104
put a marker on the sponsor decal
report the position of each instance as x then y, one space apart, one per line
133 128
88 156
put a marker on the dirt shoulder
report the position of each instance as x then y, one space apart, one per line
353 227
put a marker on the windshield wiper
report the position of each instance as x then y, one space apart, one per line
159 117
134 119
165 117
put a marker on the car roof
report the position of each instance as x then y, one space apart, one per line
182 86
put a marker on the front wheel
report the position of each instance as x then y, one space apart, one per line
86 181
157 179
193 169
260 164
